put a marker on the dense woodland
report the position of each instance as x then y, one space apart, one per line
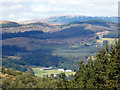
40 57
16 64
102 71
11 50
43 57
66 33
20 34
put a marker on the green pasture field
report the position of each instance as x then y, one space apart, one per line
110 40
40 73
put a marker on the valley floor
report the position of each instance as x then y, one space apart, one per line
40 73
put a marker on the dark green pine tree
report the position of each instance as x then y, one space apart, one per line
114 69
103 71
101 65
107 67
90 73
79 79
63 82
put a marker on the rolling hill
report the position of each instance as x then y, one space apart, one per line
62 44
33 35
94 25
63 19
7 24
38 26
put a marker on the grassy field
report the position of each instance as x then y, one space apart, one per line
110 40
40 73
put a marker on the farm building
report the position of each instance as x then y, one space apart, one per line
50 68
61 70
68 70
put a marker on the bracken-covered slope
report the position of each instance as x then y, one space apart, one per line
9 26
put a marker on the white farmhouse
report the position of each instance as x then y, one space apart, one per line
61 70
41 69
68 70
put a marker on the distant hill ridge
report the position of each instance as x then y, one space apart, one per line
70 18
96 24
57 20
6 24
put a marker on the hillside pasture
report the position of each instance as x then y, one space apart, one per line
110 40
40 73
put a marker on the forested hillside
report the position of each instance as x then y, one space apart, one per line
56 45
102 71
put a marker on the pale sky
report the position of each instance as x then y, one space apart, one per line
20 10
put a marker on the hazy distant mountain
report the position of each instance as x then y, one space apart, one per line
70 18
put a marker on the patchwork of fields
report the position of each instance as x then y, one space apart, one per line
40 73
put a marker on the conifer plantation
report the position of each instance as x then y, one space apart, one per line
101 71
